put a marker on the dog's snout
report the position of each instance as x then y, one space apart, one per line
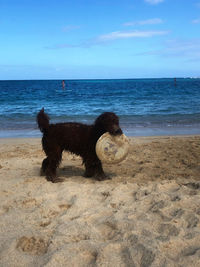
118 131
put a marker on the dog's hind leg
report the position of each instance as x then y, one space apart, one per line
44 167
51 164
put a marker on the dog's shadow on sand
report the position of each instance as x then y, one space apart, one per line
73 171
70 171
67 172
64 172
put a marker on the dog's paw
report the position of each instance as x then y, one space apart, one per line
55 180
87 175
42 173
102 177
58 180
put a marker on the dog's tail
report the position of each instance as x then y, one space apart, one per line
43 121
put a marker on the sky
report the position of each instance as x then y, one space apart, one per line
99 39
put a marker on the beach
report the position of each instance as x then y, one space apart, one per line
148 214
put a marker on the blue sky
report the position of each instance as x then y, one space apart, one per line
81 39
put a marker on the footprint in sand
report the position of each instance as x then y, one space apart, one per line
32 245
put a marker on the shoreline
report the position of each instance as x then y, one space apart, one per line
130 132
136 139
147 215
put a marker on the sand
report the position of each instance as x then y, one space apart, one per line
147 215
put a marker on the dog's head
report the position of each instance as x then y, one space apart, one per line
108 122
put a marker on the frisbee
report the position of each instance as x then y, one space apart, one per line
112 149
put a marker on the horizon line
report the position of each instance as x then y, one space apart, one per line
78 79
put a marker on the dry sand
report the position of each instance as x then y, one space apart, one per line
147 215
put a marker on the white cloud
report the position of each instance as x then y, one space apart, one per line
196 21
186 49
106 38
70 28
154 2
60 46
144 22
130 34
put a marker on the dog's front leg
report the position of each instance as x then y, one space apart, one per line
93 168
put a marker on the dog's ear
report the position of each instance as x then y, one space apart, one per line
108 122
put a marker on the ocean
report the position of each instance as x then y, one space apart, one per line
146 107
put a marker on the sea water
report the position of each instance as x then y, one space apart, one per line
145 106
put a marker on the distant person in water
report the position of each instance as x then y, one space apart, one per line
63 84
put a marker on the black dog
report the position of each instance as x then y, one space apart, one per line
77 138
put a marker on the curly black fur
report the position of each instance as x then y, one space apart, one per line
77 138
